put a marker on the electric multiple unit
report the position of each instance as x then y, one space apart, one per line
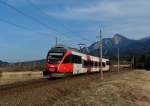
62 61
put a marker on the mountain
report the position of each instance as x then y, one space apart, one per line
127 46
2 63
38 62
25 63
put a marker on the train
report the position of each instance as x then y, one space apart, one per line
65 61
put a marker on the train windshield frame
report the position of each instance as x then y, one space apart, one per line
55 55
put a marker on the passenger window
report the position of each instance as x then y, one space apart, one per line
88 63
95 64
85 64
68 59
76 59
103 64
108 62
73 59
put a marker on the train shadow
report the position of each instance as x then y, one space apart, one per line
54 78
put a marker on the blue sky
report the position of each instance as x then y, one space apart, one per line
71 21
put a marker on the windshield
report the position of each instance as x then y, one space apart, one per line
54 58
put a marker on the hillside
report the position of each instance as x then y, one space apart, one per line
127 46
2 63
38 62
36 65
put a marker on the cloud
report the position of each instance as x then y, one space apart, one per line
104 9
132 31
128 17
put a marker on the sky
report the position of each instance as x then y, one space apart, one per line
28 28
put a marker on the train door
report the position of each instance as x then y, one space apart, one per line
77 69
77 64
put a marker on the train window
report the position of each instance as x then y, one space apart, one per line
73 59
76 59
95 64
88 63
85 63
68 59
103 64
91 63
54 58
108 62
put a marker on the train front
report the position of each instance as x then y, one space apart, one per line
54 66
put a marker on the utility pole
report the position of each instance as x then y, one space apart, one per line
101 55
56 41
133 61
81 45
118 60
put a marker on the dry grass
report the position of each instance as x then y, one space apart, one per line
12 77
22 67
130 89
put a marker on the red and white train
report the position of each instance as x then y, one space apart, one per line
62 61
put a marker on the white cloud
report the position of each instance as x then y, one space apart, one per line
105 9
128 17
132 31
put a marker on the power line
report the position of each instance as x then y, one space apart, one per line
68 29
32 4
16 25
37 8
25 28
28 29
32 18
29 16
22 27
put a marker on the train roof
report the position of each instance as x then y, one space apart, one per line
76 51
66 47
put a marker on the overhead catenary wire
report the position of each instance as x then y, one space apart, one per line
22 27
14 24
33 19
38 9
26 28
64 25
30 17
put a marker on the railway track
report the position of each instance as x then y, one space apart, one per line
45 80
46 91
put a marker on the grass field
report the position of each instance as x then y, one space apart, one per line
12 77
22 72
128 89
22 67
